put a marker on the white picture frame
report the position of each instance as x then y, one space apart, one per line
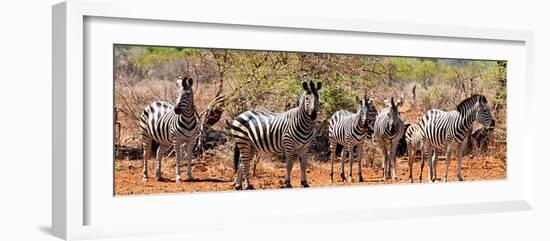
76 199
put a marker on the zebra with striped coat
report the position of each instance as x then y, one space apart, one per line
413 137
171 127
388 130
449 131
350 131
288 132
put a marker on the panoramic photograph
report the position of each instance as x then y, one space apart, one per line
205 120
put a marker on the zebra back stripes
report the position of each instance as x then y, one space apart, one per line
388 130
413 136
350 131
449 130
289 132
170 127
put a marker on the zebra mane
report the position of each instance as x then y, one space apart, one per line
470 101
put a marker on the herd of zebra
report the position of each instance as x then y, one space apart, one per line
175 127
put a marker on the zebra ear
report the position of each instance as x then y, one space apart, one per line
305 86
319 85
483 99
180 81
401 100
189 82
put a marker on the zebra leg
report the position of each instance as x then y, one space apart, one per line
434 165
246 173
303 167
394 160
360 161
384 164
411 151
255 162
177 150
160 154
429 153
189 158
342 175
290 156
447 162
332 157
422 160
350 158
459 162
146 146
239 169
245 156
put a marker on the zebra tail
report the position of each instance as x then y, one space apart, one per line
236 156
154 147
339 149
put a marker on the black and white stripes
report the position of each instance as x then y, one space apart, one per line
171 127
176 127
413 137
289 133
443 130
350 130
388 130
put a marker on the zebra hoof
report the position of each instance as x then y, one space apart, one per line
239 187
411 180
304 184
461 179
361 179
249 187
144 179
287 184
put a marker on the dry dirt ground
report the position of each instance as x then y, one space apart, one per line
212 175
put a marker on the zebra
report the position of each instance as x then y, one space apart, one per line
171 128
413 137
388 130
446 131
288 132
350 130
